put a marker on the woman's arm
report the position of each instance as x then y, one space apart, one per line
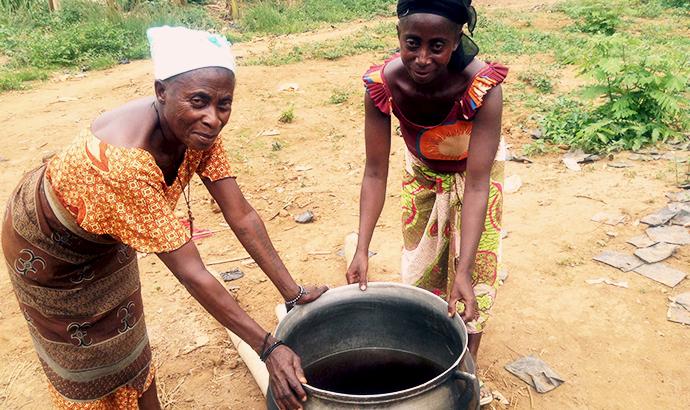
377 135
486 133
251 232
283 364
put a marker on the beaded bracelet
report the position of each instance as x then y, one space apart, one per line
291 303
270 350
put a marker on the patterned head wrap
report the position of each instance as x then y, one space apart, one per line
175 50
458 11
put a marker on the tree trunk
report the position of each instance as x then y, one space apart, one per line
54 5
233 9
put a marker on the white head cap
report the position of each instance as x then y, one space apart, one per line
176 50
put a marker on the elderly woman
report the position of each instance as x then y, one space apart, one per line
449 106
73 225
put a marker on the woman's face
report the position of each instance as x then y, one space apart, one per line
427 42
197 105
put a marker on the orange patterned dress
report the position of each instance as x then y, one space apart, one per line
69 238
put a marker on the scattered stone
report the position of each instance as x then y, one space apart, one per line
503 275
536 133
609 218
669 234
659 217
200 341
682 218
3 159
619 260
619 165
644 157
571 163
305 217
536 373
661 273
620 284
231 275
611 234
123 61
288 87
504 233
268 133
656 253
677 313
303 168
512 184
517 158
641 241
500 397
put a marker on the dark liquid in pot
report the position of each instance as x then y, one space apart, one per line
371 371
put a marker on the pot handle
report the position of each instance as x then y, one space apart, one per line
470 381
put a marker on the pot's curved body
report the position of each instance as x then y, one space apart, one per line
386 317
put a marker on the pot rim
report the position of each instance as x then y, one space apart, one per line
392 396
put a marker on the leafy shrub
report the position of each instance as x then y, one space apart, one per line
594 17
639 97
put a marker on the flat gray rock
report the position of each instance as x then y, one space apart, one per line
609 218
679 309
641 241
619 165
656 253
660 217
619 260
669 234
661 273
683 299
682 218
536 373
682 196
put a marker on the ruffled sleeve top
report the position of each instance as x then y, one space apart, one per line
442 147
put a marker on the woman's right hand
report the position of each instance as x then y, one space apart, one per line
357 272
286 376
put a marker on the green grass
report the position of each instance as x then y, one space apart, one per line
17 79
83 35
339 96
281 17
362 41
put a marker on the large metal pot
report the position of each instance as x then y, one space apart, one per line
386 316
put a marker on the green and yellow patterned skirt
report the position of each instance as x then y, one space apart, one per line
431 210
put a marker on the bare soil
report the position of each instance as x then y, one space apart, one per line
613 346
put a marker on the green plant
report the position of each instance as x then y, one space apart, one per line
594 16
276 146
639 97
537 147
339 96
84 34
538 79
14 79
288 115
281 17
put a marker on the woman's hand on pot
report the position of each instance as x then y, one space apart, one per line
286 375
357 271
311 293
464 292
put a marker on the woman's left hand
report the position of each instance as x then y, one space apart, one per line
311 293
463 291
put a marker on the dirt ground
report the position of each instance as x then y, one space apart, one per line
613 346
